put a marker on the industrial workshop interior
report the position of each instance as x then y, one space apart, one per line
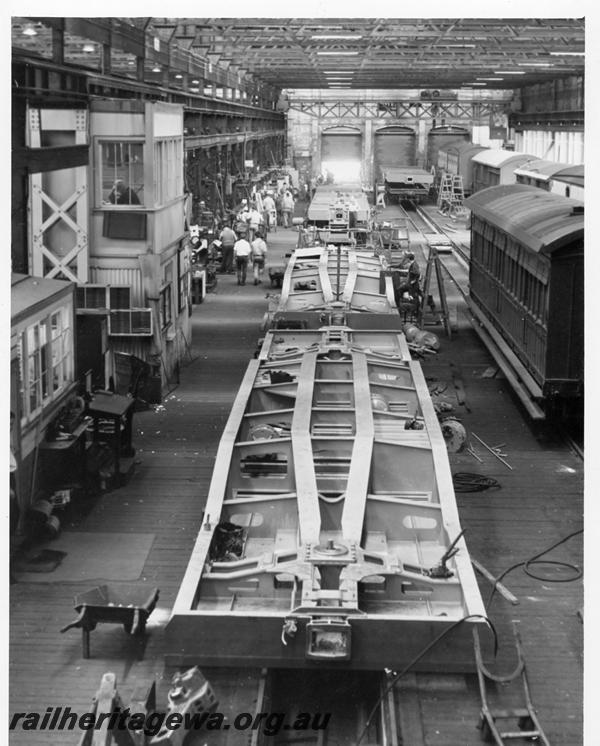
232 240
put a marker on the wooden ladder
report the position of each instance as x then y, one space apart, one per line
433 263
445 192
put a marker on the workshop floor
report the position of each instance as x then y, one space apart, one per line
540 502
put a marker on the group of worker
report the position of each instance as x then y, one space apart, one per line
275 210
251 250
246 244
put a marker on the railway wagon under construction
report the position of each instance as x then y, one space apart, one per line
331 534
527 281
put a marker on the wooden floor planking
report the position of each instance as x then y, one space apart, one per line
539 502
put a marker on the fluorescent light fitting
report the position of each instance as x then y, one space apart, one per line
341 72
336 36
535 64
510 72
475 83
156 69
465 46
196 82
490 78
346 52
179 76
29 30
88 48
559 54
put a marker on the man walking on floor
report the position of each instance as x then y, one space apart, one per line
227 239
241 251
287 208
259 254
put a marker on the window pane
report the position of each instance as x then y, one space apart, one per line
44 352
122 177
55 324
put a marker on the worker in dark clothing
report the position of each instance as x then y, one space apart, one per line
409 288
414 273
121 194
227 239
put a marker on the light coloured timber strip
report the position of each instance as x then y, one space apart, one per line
324 276
360 467
304 467
351 278
216 493
446 497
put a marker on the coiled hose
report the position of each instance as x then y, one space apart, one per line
465 481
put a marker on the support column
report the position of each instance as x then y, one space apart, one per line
367 176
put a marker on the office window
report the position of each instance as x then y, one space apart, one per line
121 170
60 333
45 359
183 272
168 170
166 315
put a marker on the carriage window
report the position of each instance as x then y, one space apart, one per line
121 171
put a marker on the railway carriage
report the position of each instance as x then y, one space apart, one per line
559 178
527 281
331 526
496 167
407 182
455 158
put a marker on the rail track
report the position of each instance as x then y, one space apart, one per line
455 264
349 707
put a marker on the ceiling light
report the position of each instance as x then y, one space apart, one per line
337 53
88 48
29 30
179 76
556 54
510 72
336 36
475 83
342 72
490 78
156 69
535 64
465 46
196 82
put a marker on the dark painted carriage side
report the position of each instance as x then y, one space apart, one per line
456 158
527 277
